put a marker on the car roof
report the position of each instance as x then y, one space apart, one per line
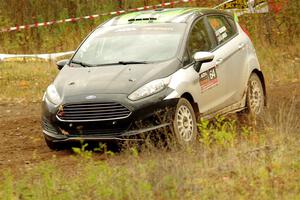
162 15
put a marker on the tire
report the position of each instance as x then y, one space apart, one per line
255 99
184 123
53 145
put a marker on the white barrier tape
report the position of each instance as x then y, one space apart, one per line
222 4
74 19
51 56
262 8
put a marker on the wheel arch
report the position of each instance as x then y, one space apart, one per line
262 79
190 98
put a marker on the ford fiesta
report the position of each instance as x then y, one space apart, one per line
183 62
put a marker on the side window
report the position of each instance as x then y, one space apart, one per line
199 38
232 24
221 27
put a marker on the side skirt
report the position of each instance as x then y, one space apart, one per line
239 106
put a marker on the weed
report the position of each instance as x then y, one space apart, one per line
221 131
82 152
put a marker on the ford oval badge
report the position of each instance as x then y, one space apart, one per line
91 97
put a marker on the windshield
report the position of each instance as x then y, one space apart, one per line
130 44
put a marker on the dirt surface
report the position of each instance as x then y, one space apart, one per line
22 144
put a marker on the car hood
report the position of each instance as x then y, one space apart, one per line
116 79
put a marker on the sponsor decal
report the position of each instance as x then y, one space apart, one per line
208 79
221 33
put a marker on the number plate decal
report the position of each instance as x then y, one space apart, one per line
208 79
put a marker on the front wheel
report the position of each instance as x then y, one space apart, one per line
184 123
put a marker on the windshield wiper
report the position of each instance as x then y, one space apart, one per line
81 63
123 63
132 62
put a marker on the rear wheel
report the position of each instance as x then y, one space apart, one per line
184 123
255 96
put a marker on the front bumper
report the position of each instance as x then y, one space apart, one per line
145 117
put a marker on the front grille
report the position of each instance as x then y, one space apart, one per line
93 112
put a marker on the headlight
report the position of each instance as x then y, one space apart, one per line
150 88
52 95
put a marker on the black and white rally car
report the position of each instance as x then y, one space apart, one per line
193 61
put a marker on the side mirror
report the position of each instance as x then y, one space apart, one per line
202 57
60 64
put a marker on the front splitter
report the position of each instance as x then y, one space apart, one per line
98 137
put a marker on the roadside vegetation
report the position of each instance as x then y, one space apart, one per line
232 160
229 162
25 81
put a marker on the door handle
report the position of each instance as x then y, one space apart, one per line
241 45
219 61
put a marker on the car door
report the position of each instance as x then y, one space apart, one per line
209 85
230 56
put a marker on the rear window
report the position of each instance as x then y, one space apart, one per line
223 30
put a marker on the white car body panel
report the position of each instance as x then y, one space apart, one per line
234 62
